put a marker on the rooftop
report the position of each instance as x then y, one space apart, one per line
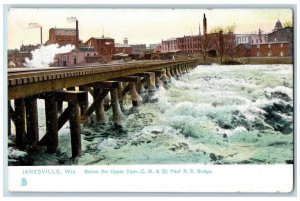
64 29
121 45
103 38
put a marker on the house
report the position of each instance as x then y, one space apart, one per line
123 48
105 46
243 50
78 56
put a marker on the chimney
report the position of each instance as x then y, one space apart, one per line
199 30
204 25
125 41
77 34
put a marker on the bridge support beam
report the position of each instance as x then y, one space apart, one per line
135 97
182 69
117 114
164 78
173 73
32 122
8 118
158 82
59 107
99 101
51 123
85 103
74 119
120 95
140 86
20 122
168 72
151 82
177 71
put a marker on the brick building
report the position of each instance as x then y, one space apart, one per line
276 49
63 36
17 58
243 50
169 45
105 46
123 48
138 48
189 44
77 56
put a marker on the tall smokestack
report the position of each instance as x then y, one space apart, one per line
41 35
77 34
204 25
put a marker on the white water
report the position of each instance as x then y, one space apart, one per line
213 115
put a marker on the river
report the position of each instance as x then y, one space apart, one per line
241 114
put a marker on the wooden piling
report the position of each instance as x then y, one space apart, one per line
84 103
168 73
172 72
60 106
115 106
20 122
151 82
120 95
177 71
8 119
140 86
135 97
32 122
158 82
164 78
51 123
74 119
99 110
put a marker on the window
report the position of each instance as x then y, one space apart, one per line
258 46
269 46
281 53
258 53
281 45
270 53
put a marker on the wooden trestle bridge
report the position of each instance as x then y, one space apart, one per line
57 85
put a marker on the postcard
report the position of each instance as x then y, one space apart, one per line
150 100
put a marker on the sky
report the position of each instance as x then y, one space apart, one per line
145 26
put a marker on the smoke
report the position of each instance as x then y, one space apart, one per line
44 56
71 19
33 25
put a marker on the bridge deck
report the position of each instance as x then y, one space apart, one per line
28 82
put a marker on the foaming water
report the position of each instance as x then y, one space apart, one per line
213 115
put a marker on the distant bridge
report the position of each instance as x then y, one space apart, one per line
57 85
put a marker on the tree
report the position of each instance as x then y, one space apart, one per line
224 40
218 40
288 24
